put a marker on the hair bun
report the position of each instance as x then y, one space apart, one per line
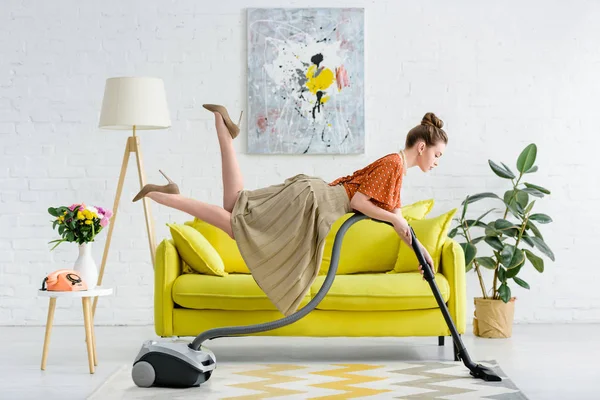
431 120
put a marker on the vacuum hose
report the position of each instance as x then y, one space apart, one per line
477 370
312 304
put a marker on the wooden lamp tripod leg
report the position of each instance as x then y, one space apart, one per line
115 209
147 212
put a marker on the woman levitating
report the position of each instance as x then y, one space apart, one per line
280 230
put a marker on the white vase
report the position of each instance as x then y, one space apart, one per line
85 266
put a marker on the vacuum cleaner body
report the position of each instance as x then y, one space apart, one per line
174 365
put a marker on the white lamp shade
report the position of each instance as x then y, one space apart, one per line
134 101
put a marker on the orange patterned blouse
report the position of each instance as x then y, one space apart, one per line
381 180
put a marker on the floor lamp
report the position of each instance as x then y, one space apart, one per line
133 104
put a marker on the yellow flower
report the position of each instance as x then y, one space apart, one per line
88 222
80 215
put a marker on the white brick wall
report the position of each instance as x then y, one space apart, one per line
501 75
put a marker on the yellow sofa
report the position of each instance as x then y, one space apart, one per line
369 296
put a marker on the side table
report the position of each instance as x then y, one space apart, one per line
88 319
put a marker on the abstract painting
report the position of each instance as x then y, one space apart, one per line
306 81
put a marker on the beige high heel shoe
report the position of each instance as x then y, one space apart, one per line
170 188
234 129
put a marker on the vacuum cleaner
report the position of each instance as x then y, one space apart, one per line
181 365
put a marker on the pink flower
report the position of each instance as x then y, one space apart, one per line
105 213
104 222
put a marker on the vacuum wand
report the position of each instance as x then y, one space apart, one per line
477 370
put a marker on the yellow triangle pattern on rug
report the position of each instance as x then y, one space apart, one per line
348 375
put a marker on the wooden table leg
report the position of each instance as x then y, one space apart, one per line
88 334
93 330
49 322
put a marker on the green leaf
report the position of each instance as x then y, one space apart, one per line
521 282
534 229
464 210
527 158
533 192
537 262
511 273
57 243
53 211
506 254
529 207
494 242
452 233
470 252
472 222
506 227
468 267
477 239
491 230
507 169
485 213
522 199
510 202
501 172
541 218
501 274
543 247
531 170
486 262
504 292
502 224
527 239
532 186
518 258
479 196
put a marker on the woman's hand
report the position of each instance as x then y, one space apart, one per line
427 257
403 230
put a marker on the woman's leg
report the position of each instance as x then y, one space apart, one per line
212 214
233 181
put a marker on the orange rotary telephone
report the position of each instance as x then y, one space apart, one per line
64 280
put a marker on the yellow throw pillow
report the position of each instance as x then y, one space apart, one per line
432 233
196 251
417 210
369 246
223 244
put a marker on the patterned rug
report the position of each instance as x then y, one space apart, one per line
398 380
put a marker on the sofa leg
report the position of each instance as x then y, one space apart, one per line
441 340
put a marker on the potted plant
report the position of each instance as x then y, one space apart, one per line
513 240
80 224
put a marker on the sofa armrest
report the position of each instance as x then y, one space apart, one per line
168 268
453 268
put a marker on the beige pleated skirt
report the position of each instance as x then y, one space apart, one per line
280 231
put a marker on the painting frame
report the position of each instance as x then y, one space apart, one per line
306 80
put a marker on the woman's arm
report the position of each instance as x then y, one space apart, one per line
360 202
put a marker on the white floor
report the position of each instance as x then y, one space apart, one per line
544 361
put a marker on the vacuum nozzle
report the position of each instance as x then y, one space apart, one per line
483 372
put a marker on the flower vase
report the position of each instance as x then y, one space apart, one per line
85 265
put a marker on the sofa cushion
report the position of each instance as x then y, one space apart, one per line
196 251
369 246
233 292
431 232
225 246
380 292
